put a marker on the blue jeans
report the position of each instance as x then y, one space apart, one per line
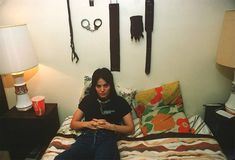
92 145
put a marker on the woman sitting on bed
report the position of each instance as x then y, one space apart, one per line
106 114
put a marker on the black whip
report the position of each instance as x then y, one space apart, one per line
74 56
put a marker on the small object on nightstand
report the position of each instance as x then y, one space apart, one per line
225 114
39 105
230 110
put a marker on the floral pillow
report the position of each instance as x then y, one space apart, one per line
159 119
161 109
167 94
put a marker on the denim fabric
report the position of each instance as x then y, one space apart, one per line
92 145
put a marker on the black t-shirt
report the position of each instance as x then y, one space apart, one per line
112 111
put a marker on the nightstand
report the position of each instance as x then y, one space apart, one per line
223 129
25 133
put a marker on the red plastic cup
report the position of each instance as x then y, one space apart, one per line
39 105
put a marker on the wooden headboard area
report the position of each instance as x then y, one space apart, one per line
3 99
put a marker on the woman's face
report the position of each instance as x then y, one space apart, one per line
102 88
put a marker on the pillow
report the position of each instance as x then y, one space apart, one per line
86 87
167 94
138 132
161 119
198 126
65 128
128 94
161 109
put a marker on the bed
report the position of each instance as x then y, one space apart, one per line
168 145
162 129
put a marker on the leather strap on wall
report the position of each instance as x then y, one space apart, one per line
114 36
149 12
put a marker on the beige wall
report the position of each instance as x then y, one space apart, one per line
185 38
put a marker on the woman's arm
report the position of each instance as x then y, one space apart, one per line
127 128
76 122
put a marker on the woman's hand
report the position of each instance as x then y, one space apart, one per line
126 128
99 124
92 124
103 124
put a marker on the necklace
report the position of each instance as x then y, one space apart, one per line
103 102
102 106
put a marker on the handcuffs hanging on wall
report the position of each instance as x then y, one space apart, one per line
85 23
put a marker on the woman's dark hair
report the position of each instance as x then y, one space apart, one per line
106 75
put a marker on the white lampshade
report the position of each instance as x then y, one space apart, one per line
226 52
16 49
17 55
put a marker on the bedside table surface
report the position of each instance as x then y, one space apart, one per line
14 113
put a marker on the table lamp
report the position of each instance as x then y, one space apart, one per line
226 53
16 56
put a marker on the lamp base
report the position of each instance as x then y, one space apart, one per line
230 104
24 109
23 102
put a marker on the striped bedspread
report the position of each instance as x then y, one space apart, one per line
171 146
